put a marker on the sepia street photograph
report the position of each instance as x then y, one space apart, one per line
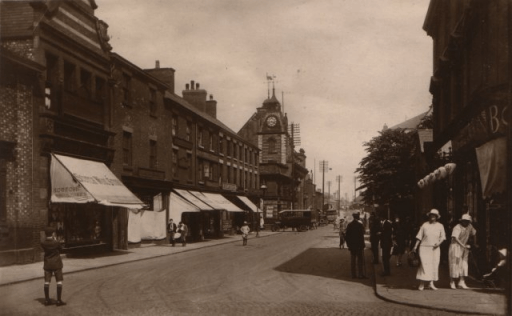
255 157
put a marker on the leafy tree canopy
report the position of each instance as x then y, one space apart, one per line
387 172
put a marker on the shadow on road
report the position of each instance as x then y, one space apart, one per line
324 262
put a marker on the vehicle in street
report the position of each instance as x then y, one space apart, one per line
331 216
301 220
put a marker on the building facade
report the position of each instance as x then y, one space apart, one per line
471 94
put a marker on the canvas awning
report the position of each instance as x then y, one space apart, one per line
76 180
178 206
194 200
219 202
248 202
492 164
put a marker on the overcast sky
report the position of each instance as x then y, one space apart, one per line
346 67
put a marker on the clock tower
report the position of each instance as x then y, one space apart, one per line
279 171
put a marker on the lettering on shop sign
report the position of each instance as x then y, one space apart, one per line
489 123
97 180
69 192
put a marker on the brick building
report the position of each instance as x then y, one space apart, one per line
471 96
282 169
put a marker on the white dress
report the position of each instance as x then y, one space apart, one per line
430 234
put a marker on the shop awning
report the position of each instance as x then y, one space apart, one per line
492 164
84 181
219 202
194 200
248 202
178 206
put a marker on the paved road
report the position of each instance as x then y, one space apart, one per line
287 274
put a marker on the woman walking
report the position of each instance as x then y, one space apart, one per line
429 238
459 251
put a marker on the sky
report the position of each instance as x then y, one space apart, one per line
344 67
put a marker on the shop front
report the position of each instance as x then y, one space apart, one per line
88 204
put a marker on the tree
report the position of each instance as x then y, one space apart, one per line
387 172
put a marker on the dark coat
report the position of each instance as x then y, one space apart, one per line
171 229
354 235
52 260
375 229
386 236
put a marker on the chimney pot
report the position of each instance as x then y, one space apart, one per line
157 64
211 96
192 85
197 86
186 86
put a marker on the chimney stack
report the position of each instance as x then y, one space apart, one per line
195 96
166 75
211 107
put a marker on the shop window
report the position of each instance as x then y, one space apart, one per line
127 148
69 77
174 125
152 102
152 154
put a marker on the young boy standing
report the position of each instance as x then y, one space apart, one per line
52 265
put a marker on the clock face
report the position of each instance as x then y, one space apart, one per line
271 121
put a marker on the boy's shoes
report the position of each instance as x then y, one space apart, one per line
48 302
60 303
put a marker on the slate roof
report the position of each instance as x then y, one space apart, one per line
411 123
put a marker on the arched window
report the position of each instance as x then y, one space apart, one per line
272 145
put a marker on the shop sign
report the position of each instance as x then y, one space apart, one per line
229 186
489 123
270 211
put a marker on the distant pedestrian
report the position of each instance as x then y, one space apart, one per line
374 236
52 265
342 233
245 233
458 253
386 242
171 228
355 243
399 236
429 238
183 230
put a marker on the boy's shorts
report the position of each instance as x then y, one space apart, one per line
58 275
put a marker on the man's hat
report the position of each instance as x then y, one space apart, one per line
49 230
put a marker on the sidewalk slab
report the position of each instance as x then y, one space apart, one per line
402 287
32 271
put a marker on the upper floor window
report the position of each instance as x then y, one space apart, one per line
99 89
221 145
175 163
127 148
152 154
200 137
69 77
271 146
174 125
229 145
127 83
85 82
188 135
210 142
52 70
152 102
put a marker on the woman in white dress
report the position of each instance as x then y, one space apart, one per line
459 251
429 238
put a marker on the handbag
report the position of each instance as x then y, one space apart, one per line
413 259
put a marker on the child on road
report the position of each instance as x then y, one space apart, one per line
52 265
245 233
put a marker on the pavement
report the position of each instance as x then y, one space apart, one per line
402 287
27 272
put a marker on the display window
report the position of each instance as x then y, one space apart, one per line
79 224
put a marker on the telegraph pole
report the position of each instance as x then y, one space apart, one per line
323 166
339 178
329 192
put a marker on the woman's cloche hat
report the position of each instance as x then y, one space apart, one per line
435 212
466 217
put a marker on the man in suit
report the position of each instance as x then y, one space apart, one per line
355 243
183 230
386 242
171 228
